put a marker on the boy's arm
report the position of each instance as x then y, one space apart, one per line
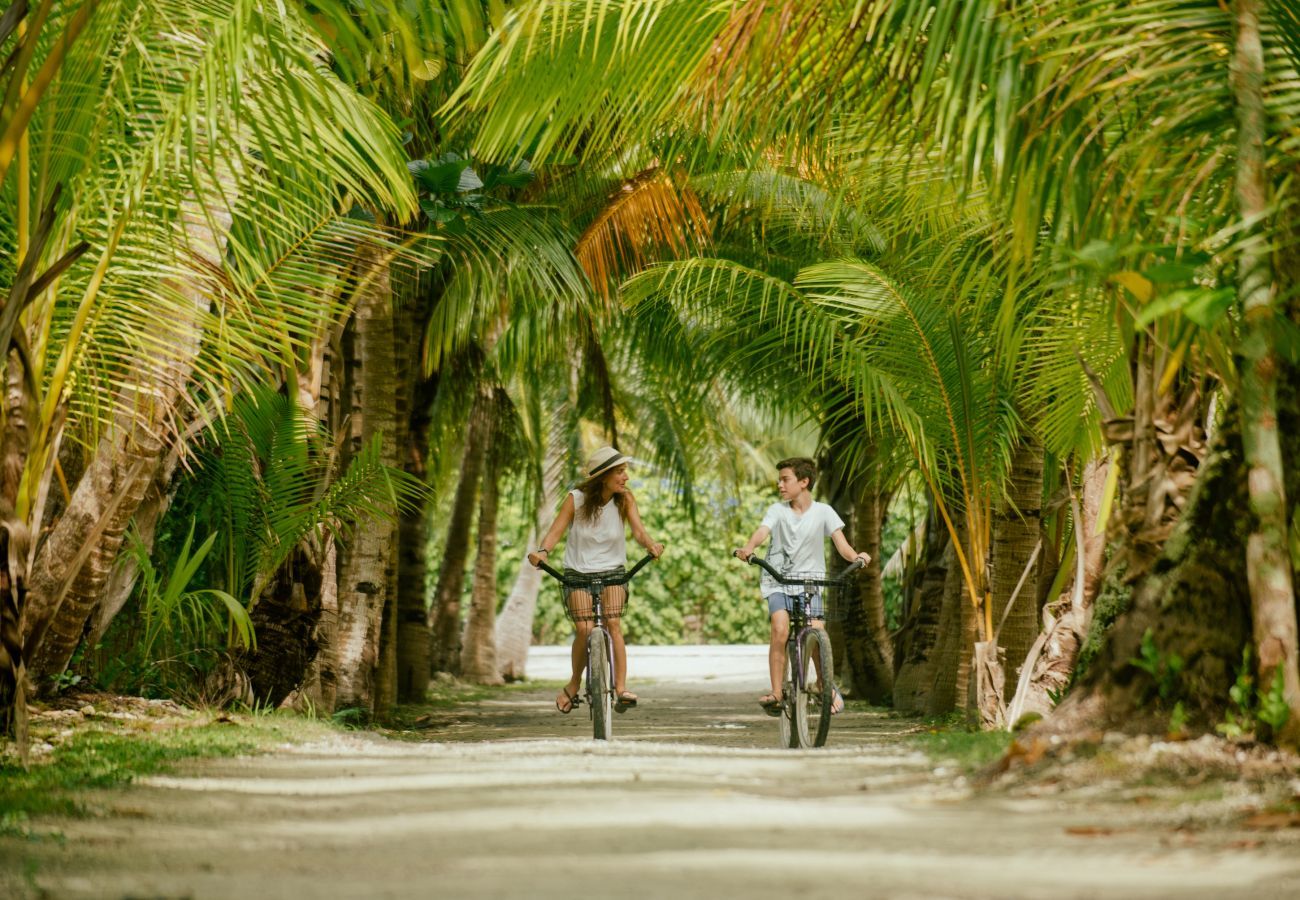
755 539
842 547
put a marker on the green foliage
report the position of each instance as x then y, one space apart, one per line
1178 719
970 750
63 681
1253 707
174 617
696 593
1273 708
171 634
1164 668
265 481
266 478
907 510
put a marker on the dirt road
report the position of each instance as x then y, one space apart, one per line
692 799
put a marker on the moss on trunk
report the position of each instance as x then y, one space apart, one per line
1195 603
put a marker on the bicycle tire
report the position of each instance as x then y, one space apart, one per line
598 678
817 647
794 714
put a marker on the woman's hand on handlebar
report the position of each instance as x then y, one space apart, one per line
655 549
535 559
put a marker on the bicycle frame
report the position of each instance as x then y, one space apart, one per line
794 721
595 586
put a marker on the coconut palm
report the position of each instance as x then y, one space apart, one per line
1076 118
215 204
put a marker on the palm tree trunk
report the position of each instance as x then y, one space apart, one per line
1268 561
445 651
74 563
121 583
478 659
952 652
1195 602
412 621
917 643
868 650
364 562
318 391
515 623
1015 539
285 620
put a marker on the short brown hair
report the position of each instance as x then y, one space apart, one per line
802 466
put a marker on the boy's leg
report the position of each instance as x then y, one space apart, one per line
776 650
837 701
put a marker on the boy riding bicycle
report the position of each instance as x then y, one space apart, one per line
798 526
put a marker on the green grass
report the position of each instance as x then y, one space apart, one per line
448 695
91 759
970 750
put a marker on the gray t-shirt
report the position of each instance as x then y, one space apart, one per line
798 541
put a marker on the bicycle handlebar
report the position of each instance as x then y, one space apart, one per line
784 579
579 580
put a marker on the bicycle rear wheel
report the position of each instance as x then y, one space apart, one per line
794 711
817 702
598 678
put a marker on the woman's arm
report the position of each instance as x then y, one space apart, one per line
563 519
638 530
842 545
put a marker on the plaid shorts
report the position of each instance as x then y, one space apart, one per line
612 598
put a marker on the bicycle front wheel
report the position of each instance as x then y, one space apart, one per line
816 701
598 679
794 709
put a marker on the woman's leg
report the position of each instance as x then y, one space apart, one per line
613 601
580 605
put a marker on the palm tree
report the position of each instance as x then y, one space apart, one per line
1037 106
201 210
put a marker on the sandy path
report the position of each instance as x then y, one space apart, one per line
692 799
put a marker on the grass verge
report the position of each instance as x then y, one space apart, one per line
107 755
969 750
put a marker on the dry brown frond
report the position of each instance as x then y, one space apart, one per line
650 217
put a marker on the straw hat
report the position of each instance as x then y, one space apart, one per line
603 460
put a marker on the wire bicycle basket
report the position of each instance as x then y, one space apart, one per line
827 597
577 591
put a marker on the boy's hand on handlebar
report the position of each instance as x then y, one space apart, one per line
742 554
864 556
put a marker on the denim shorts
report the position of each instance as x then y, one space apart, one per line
777 602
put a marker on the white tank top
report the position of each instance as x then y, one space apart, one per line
595 545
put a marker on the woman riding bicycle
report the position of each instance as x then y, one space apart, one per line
597 509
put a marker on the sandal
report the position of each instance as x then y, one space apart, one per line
626 700
571 701
771 705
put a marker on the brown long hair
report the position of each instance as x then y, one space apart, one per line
591 500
